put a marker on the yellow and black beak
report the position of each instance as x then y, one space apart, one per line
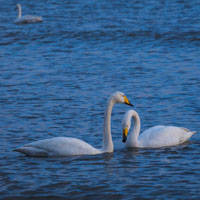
126 101
125 133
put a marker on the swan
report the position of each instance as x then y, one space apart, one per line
154 137
27 18
67 146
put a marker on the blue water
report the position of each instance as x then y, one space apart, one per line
56 76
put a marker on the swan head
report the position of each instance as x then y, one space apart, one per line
126 124
120 97
18 6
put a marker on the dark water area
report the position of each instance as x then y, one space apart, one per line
56 76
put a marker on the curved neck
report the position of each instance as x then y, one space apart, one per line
19 11
133 137
107 145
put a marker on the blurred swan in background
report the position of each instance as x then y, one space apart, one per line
155 137
66 146
27 18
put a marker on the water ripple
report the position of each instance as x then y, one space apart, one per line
56 77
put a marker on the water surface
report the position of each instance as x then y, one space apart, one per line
55 78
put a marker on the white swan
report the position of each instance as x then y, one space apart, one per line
155 137
27 18
65 146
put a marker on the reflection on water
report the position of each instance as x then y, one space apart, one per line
56 77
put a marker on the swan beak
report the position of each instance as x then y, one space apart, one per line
125 133
126 101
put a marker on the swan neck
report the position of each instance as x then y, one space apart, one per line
107 138
19 11
136 130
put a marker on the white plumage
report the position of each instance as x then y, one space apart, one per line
155 137
27 18
67 146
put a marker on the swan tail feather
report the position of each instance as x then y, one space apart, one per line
193 132
185 129
32 151
187 136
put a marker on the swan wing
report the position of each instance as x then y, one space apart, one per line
151 134
33 19
58 146
160 136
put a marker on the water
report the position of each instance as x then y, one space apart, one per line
55 78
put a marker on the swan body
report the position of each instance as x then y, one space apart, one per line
154 137
67 146
61 146
27 18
